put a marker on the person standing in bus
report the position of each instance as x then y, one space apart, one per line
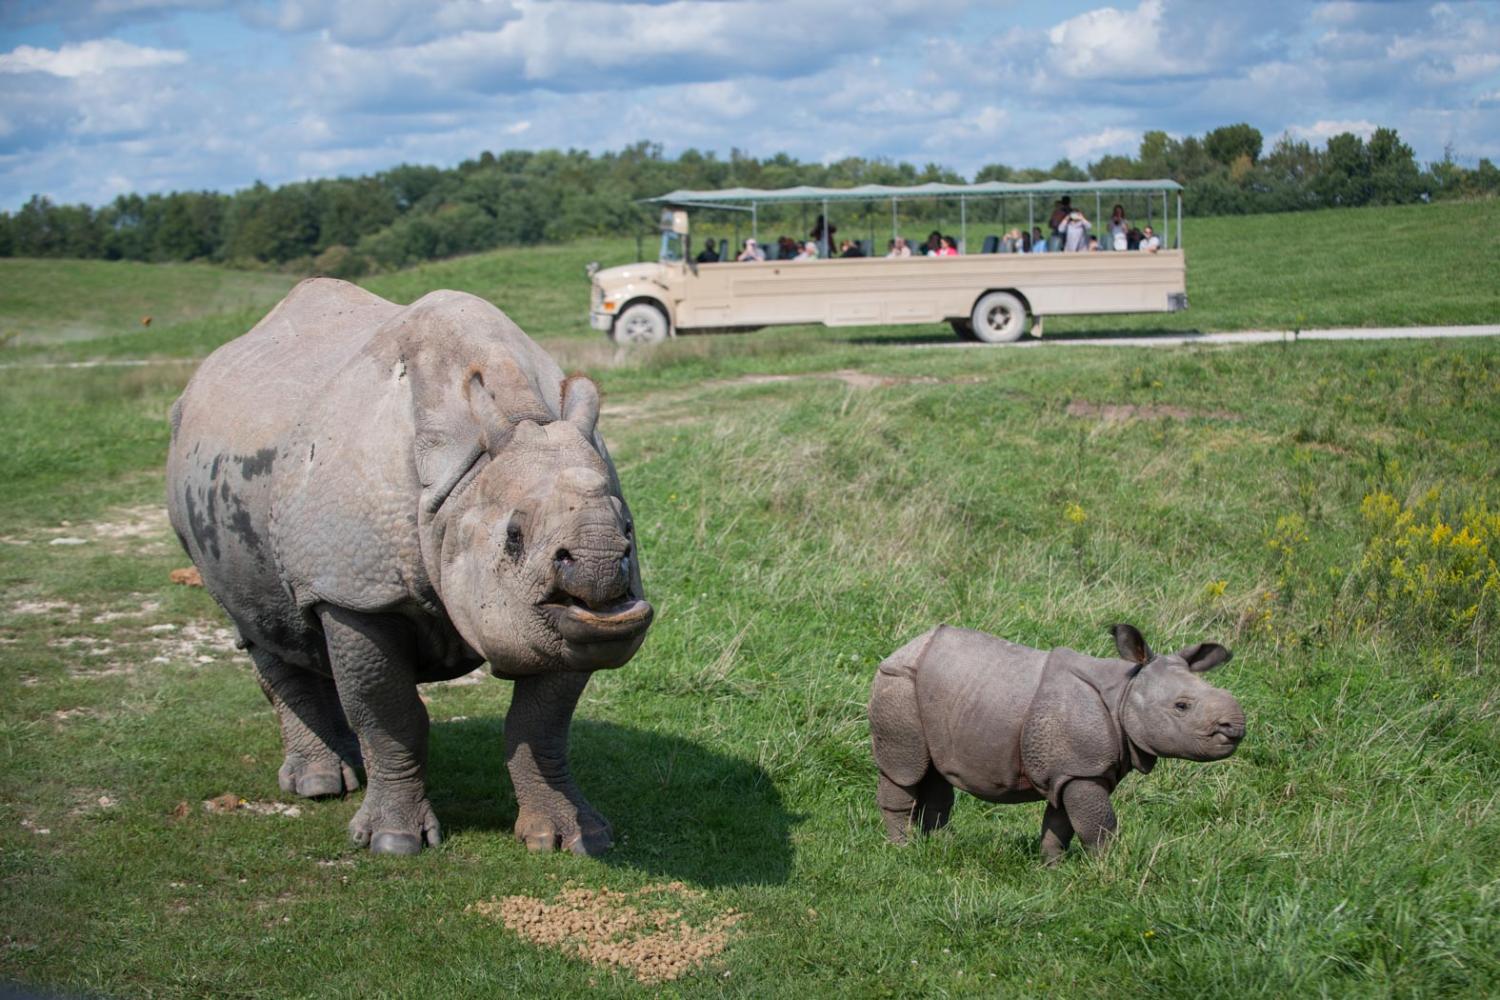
1076 237
1061 209
1119 226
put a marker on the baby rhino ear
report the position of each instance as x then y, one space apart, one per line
580 403
1131 644
1205 656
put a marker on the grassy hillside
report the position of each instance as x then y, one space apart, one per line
52 301
1412 265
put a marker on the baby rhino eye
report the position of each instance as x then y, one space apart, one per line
1181 706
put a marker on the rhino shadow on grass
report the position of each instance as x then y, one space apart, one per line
679 809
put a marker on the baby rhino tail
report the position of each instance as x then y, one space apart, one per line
907 778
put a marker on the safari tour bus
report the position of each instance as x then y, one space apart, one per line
990 280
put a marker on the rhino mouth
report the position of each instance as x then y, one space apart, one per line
577 622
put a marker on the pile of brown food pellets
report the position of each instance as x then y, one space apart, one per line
653 942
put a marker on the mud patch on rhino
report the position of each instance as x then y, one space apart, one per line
1119 413
645 933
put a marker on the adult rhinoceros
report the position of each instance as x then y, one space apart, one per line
383 495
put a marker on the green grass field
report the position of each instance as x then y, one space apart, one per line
807 500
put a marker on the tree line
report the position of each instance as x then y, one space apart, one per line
348 226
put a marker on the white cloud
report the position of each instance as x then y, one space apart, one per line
1108 42
1082 148
89 58
1322 131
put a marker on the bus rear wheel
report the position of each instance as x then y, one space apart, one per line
638 324
999 318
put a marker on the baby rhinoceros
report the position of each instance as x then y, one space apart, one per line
956 708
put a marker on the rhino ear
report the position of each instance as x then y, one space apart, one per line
457 419
580 403
1131 644
1205 656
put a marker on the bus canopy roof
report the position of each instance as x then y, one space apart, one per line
743 196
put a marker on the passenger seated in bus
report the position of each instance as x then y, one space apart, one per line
1132 238
787 248
1094 246
1024 246
1038 244
752 251
849 248
934 243
1149 240
1118 227
809 251
708 255
1076 232
897 247
947 247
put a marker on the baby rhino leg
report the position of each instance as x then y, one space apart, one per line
910 789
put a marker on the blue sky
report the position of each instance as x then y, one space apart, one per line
99 97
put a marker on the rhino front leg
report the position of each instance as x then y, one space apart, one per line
372 665
1057 834
552 812
1089 812
321 751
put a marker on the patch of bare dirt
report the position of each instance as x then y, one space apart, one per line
475 676
230 802
642 932
194 642
1119 413
849 376
146 607
134 525
164 642
54 609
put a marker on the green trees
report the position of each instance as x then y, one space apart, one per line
410 213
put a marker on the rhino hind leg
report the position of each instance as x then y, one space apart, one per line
911 792
321 750
925 806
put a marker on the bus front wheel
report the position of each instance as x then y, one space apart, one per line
641 323
999 318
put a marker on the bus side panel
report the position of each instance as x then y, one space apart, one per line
871 291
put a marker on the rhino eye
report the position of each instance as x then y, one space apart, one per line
1182 706
513 541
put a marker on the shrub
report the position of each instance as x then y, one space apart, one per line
338 261
1428 572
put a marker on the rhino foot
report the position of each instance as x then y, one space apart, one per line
390 827
316 779
581 830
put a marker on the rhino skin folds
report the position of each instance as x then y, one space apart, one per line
383 495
